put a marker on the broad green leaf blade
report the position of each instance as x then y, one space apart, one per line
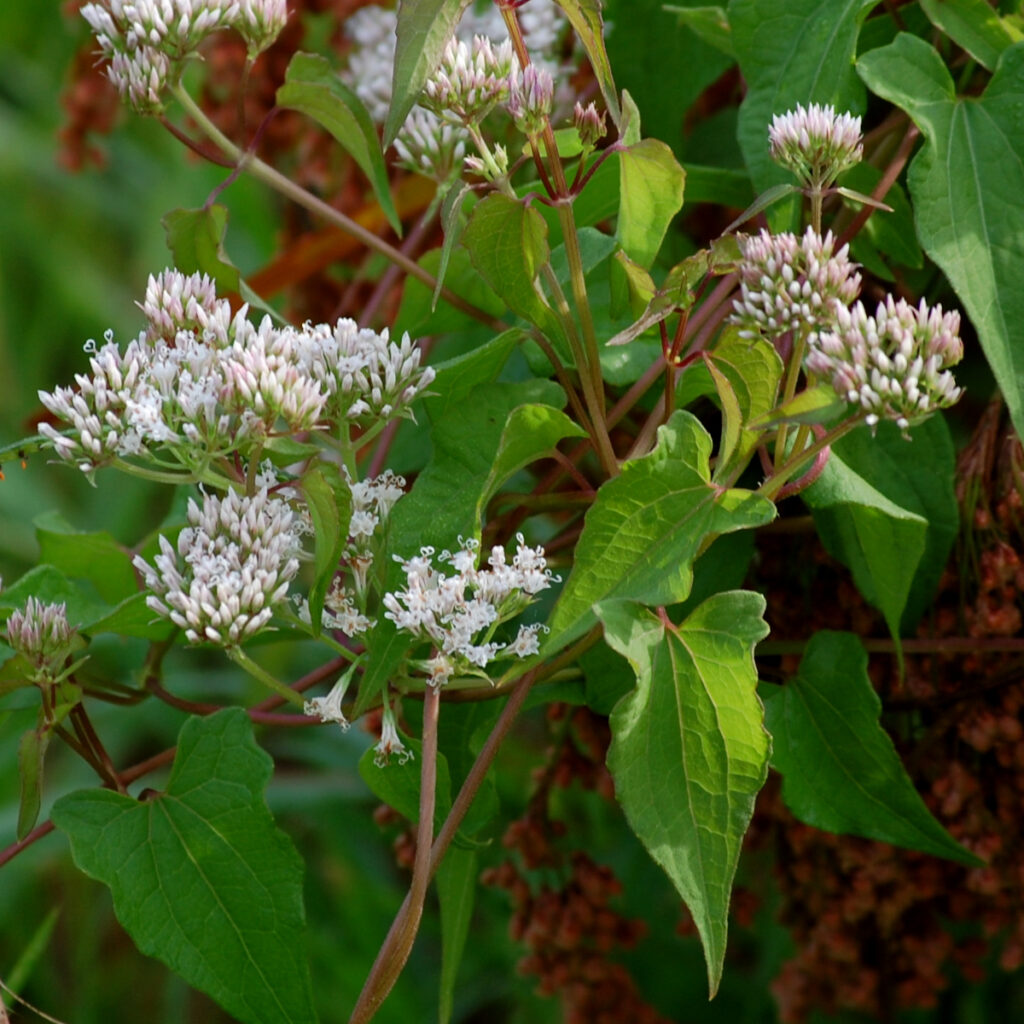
817 404
965 183
96 557
442 505
645 528
48 584
651 194
330 508
424 28
397 782
201 876
31 754
974 25
711 24
508 244
689 750
880 542
800 51
531 432
753 371
312 87
585 17
840 771
453 222
919 476
457 378
133 617
456 894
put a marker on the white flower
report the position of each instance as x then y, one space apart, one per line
530 99
328 709
788 283
893 364
471 79
239 554
816 143
458 613
390 742
430 146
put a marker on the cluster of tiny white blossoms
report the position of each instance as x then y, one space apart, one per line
816 143
40 632
201 382
893 364
459 613
233 563
471 79
788 283
146 41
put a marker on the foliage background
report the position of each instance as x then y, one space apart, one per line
75 251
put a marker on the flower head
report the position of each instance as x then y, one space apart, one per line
893 364
788 282
328 709
471 79
239 554
459 612
816 143
40 632
390 742
430 146
530 99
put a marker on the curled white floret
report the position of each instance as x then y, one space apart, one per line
895 364
232 564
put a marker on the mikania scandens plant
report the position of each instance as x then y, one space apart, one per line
295 529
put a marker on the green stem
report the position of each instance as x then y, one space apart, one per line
796 359
799 459
242 660
398 945
277 181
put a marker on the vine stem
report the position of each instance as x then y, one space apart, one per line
398 945
286 187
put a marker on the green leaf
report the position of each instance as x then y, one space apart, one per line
453 222
31 952
965 184
711 24
650 195
531 432
724 185
312 87
96 557
397 783
196 241
48 584
456 378
647 525
769 197
800 51
880 542
839 769
817 404
893 234
201 876
133 617
31 753
973 25
456 893
330 507
508 244
752 370
689 750
424 28
585 17
919 476
631 286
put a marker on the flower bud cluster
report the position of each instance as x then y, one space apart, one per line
459 613
147 41
788 283
430 146
530 99
471 80
240 553
41 634
893 364
816 143
590 124
201 382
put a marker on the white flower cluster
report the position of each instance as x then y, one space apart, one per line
146 41
471 79
531 98
427 143
201 382
40 632
788 282
893 364
816 143
239 554
459 613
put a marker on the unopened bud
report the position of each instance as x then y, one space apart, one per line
590 124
